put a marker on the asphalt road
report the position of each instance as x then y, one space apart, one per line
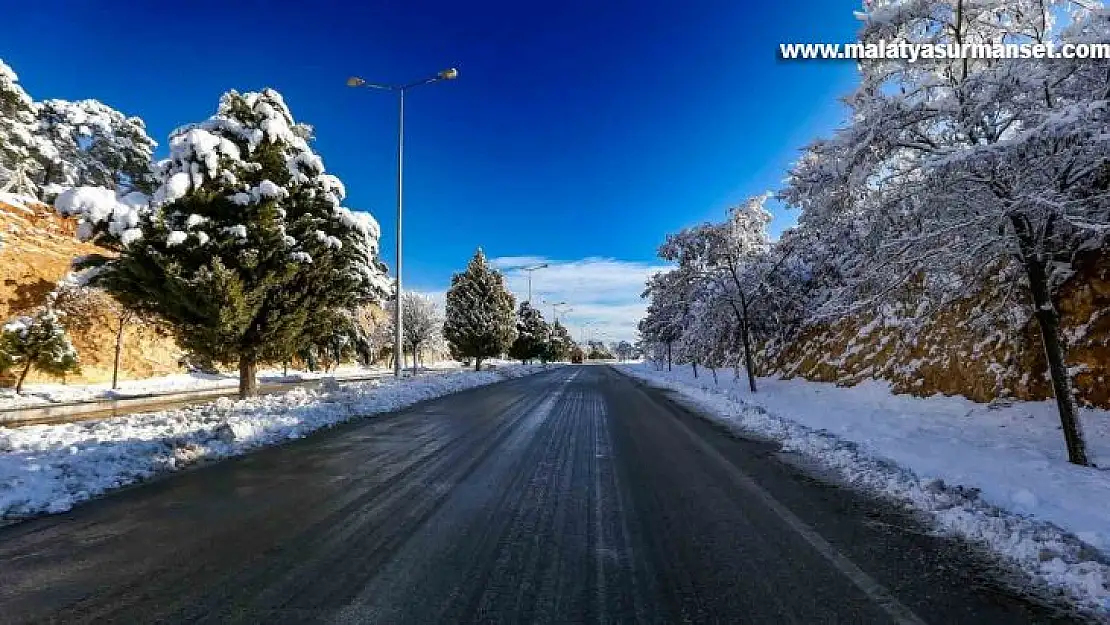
571 496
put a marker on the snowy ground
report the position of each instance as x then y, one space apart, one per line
51 468
46 394
996 475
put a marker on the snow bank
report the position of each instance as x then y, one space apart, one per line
50 468
994 474
45 394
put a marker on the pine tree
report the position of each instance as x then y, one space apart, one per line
532 334
245 243
18 151
93 145
36 342
479 322
559 343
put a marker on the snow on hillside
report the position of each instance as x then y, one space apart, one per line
51 468
995 474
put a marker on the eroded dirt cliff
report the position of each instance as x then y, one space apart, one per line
948 353
36 252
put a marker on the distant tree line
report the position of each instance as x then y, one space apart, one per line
481 323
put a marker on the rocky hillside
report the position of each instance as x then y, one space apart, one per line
949 354
37 249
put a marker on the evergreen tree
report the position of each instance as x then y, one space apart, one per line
479 322
93 145
18 151
244 245
532 334
36 342
559 343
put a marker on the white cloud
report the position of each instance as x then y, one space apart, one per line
602 293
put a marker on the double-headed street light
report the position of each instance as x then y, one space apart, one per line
355 81
529 269
555 309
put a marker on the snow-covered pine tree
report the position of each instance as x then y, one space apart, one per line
37 342
532 334
19 152
93 145
245 239
559 343
479 320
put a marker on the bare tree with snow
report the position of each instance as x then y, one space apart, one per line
968 172
421 322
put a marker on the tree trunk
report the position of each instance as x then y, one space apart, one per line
714 371
248 380
695 364
748 362
477 364
285 368
1048 318
22 377
119 351
668 356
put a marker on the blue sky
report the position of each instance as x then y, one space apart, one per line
579 131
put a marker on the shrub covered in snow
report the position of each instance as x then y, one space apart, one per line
36 342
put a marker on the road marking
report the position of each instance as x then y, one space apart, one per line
599 526
873 589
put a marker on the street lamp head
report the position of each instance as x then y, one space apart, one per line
449 74
355 81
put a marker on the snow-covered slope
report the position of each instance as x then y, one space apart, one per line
995 474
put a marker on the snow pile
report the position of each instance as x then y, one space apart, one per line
44 394
96 205
51 468
994 474
20 202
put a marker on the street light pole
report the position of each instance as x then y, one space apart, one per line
529 271
398 344
555 309
354 81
